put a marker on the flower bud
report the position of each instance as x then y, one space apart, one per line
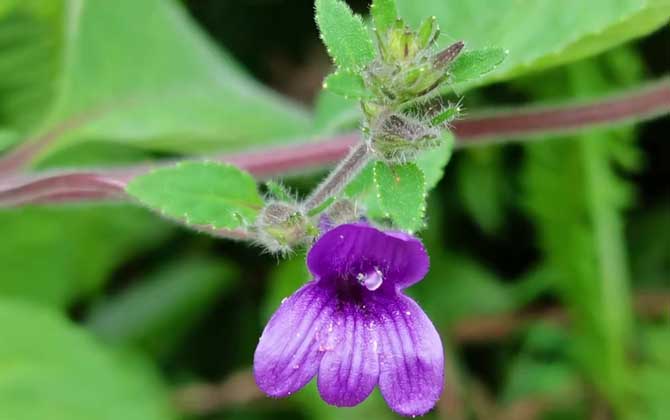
398 138
282 226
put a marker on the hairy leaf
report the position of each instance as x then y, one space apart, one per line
346 37
347 84
200 193
470 65
384 14
402 193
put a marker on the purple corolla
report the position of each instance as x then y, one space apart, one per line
353 328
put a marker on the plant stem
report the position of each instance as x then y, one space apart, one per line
357 158
642 103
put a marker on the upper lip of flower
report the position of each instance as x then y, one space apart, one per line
356 336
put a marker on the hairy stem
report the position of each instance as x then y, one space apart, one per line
357 158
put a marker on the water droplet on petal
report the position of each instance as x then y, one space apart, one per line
408 313
284 300
372 280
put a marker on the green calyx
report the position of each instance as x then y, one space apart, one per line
282 227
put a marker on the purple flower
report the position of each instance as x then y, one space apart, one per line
354 328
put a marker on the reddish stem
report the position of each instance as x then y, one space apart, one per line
99 184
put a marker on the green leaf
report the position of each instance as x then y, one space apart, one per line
402 194
347 84
159 84
562 31
200 193
7 139
384 14
50 369
458 287
58 255
484 187
470 65
285 279
279 191
577 200
334 113
158 310
31 35
432 162
346 37
530 376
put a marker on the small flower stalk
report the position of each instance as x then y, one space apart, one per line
351 326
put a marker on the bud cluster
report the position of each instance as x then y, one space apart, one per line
407 74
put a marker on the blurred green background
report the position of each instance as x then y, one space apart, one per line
550 277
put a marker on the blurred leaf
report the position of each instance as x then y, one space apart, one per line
482 186
56 255
651 386
200 193
31 38
346 37
650 246
402 194
458 287
541 369
285 279
94 153
159 83
159 310
348 84
374 407
470 65
7 139
576 199
335 113
562 31
52 370
384 14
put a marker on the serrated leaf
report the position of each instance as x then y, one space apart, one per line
384 14
52 369
346 37
470 65
347 84
200 193
402 193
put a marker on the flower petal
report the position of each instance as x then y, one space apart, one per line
411 357
401 257
290 348
349 369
